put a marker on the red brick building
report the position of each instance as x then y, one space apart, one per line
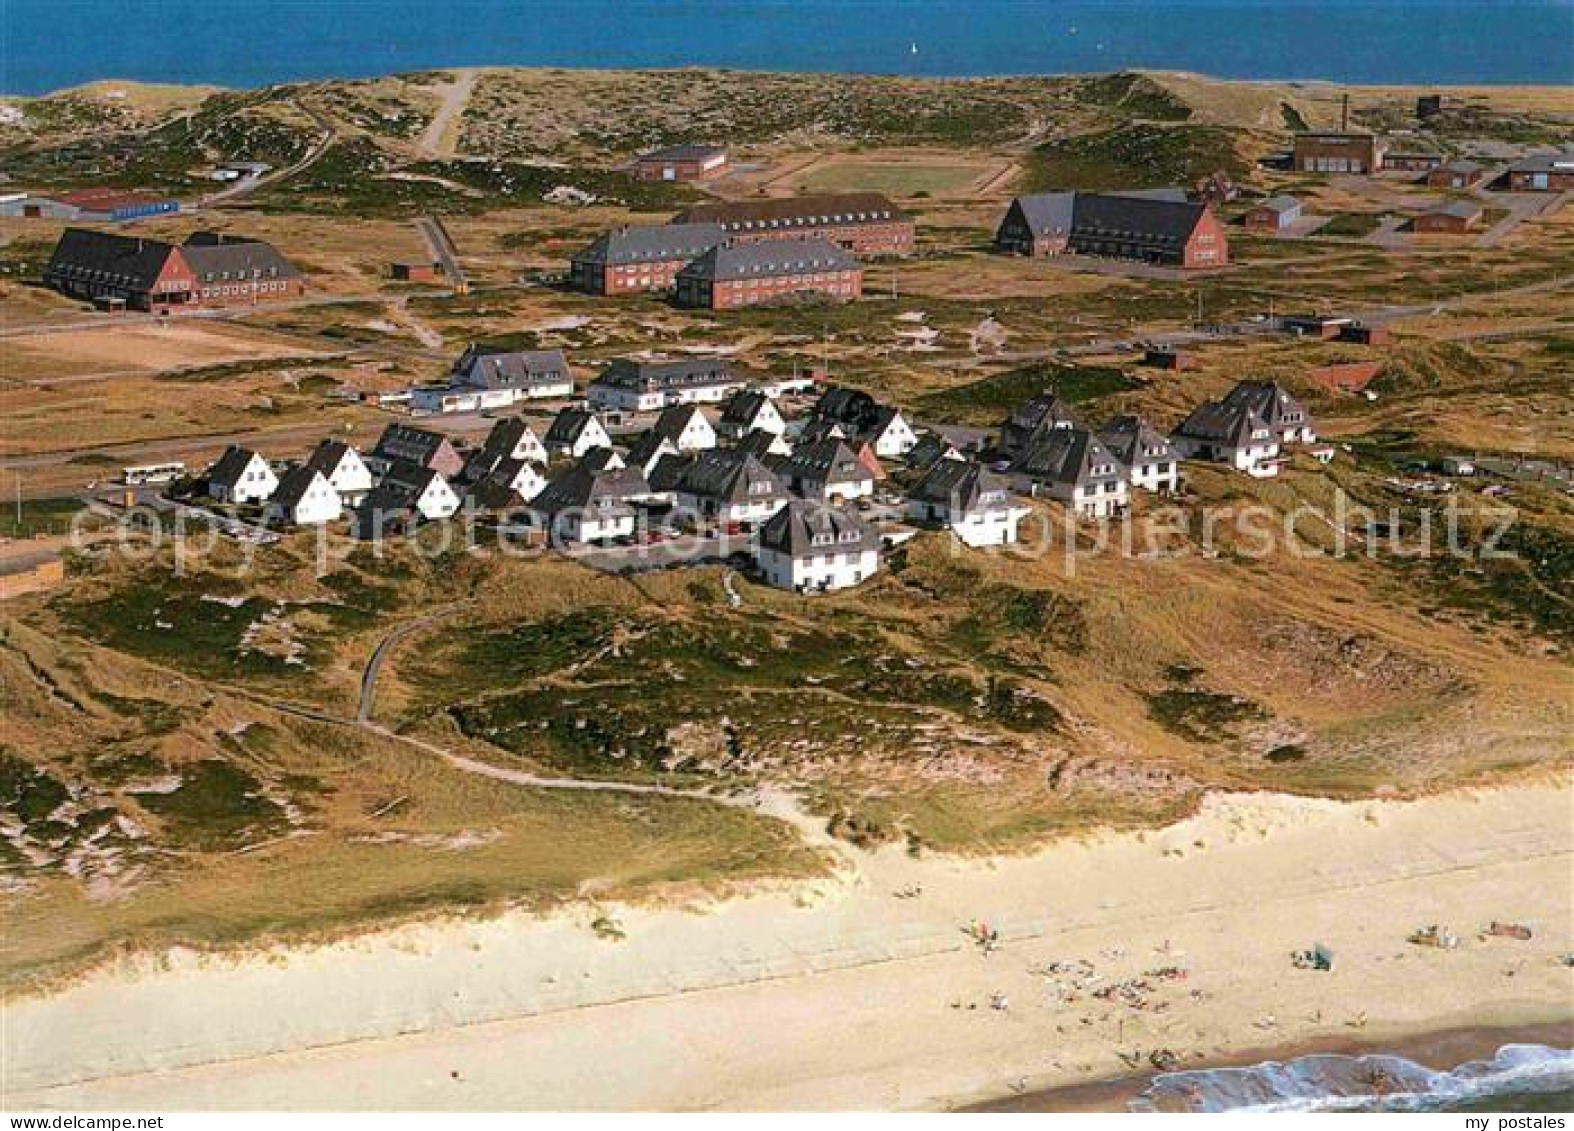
681 163
1153 226
208 270
735 275
638 260
1272 215
864 223
1543 172
1459 174
1338 152
1456 218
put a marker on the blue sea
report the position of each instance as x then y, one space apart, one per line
49 44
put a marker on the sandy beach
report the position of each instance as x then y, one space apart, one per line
867 990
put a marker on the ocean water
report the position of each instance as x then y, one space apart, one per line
1520 1077
49 44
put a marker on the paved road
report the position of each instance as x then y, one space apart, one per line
435 140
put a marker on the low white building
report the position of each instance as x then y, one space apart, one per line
975 504
687 427
525 374
1230 434
304 498
1151 460
241 476
646 386
439 399
890 435
811 547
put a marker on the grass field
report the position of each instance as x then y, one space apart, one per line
899 180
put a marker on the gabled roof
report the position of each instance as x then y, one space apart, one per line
328 455
1132 439
930 448
1068 455
568 424
743 407
804 527
123 261
211 254
669 471
848 208
853 407
1562 162
294 484
675 418
962 485
494 493
677 373
1046 211
653 243
398 440
827 461
511 369
729 475
1459 209
1122 216
1047 410
1279 204
583 487
230 466
648 446
768 259
505 436
410 477
1269 400
1229 425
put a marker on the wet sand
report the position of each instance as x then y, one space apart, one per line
1442 1050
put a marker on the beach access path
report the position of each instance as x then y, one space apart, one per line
865 989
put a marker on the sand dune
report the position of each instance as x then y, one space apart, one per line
863 991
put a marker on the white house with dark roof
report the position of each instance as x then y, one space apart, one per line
574 432
528 374
811 547
586 505
1151 461
1031 419
241 476
828 471
423 488
1072 466
344 469
973 502
511 439
750 411
687 427
644 386
860 416
1284 414
304 498
730 486
1233 434
648 451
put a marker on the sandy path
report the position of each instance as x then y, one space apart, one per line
440 139
843 994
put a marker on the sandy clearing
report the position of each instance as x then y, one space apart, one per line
843 995
147 348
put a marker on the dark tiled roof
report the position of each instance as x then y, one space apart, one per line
962 485
293 486
827 461
1131 439
652 243
1269 400
626 373
226 472
1214 422
511 369
327 456
212 255
1545 163
796 212
568 424
674 419
1113 216
1068 455
730 475
402 442
768 259
802 528
121 261
743 407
